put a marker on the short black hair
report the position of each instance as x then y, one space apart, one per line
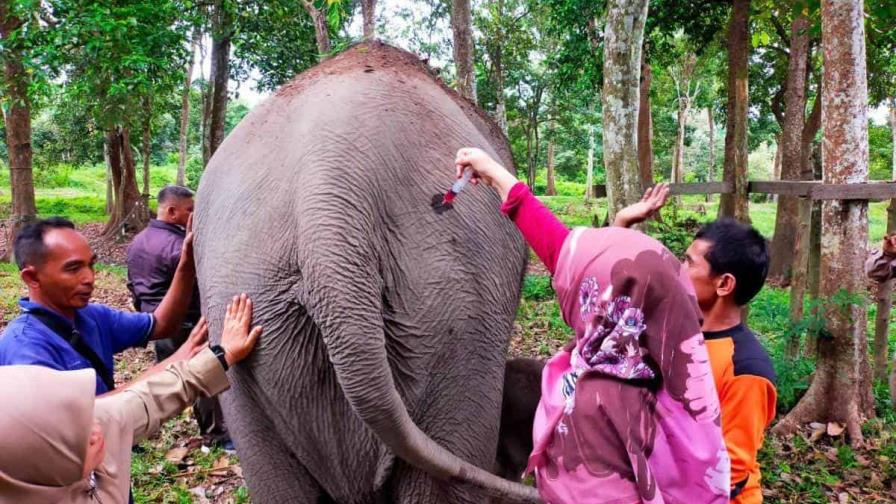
740 250
172 193
29 247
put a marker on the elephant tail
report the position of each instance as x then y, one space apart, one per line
342 291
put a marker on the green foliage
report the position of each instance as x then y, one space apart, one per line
537 288
193 172
880 153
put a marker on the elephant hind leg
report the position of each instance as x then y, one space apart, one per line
522 391
273 474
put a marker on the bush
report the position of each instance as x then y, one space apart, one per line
55 176
193 171
537 288
676 230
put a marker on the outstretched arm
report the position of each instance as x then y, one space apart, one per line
143 406
539 226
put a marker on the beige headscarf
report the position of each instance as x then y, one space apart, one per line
46 421
46 417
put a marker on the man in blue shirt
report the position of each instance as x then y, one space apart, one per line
59 328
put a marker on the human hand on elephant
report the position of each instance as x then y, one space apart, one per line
236 338
485 169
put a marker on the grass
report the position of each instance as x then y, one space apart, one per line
80 194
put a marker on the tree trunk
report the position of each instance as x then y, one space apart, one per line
624 35
110 198
220 74
368 12
321 30
711 171
841 387
185 113
498 62
645 127
885 290
146 151
800 273
678 158
552 188
462 28
129 212
776 164
589 177
17 120
736 204
790 147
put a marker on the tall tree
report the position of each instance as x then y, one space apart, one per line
645 126
185 110
841 387
462 29
321 28
711 169
216 101
885 289
790 147
114 56
368 13
552 143
17 120
736 204
683 77
623 40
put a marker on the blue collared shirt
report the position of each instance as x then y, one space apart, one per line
107 331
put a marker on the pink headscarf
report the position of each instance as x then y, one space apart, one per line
629 413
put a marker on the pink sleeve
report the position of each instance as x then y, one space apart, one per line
541 228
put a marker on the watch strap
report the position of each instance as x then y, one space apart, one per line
218 350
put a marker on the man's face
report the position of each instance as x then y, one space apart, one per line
65 278
179 211
700 272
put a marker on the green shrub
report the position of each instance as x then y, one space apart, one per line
55 176
193 171
537 288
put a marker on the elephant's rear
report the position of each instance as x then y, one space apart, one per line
322 195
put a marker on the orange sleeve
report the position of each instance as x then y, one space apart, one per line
748 407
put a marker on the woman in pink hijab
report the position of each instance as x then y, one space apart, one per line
629 411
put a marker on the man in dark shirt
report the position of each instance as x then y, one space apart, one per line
152 260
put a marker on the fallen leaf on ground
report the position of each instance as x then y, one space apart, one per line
177 455
835 429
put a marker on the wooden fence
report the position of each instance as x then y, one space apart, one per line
814 190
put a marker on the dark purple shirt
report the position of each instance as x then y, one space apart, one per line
152 260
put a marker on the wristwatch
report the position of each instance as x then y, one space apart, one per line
218 350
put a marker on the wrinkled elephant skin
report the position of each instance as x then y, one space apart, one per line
379 374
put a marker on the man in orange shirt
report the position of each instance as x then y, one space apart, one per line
728 263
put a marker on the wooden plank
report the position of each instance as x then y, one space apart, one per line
804 188
783 187
701 188
867 191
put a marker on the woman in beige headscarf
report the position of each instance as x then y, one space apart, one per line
58 443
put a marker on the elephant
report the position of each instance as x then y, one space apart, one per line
522 391
378 377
